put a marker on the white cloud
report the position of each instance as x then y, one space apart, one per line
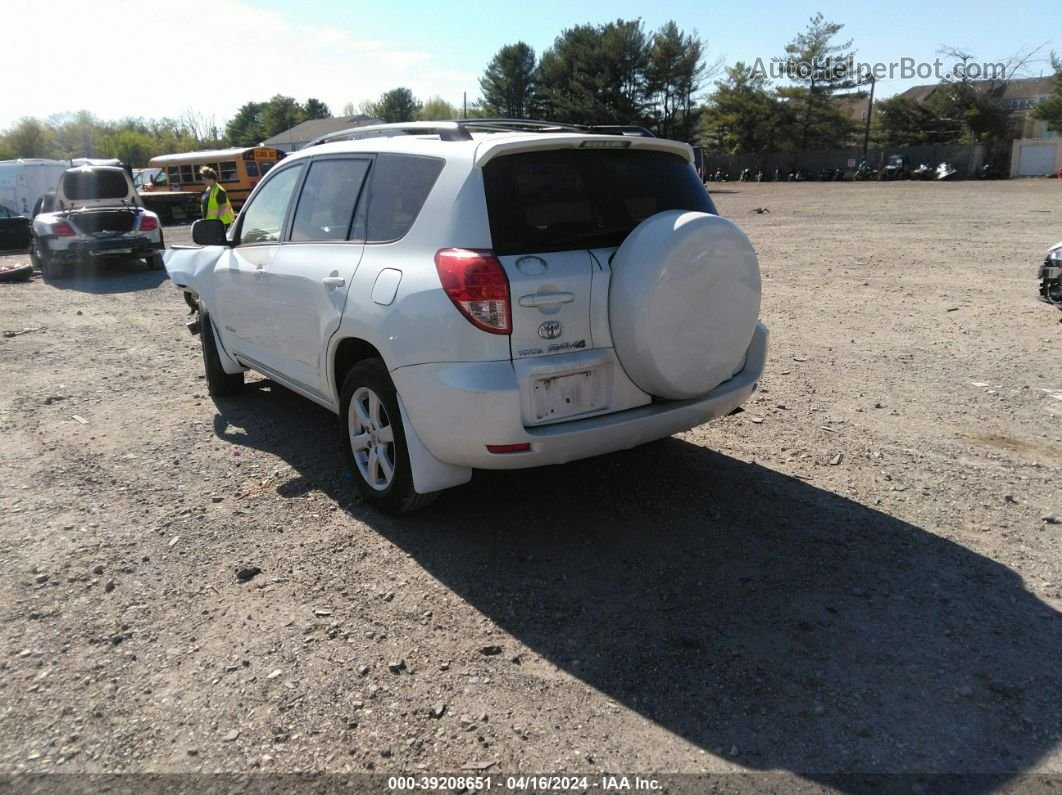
209 57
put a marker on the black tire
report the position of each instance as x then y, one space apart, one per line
374 440
155 261
50 269
34 257
219 382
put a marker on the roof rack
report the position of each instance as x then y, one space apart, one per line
462 129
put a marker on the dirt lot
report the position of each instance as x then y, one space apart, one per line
855 585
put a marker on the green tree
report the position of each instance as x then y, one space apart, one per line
132 146
77 134
818 68
596 75
509 83
315 109
674 75
202 128
245 128
395 106
280 113
437 109
1050 110
743 115
904 121
172 137
29 138
972 103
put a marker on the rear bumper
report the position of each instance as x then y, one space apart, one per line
457 409
80 250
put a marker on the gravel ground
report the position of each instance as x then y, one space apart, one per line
855 585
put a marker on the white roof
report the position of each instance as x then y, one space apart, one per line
209 155
485 146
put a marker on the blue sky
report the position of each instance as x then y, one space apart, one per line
208 57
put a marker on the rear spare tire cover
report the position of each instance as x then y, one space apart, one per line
683 303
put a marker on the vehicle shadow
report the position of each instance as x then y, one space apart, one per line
751 613
109 277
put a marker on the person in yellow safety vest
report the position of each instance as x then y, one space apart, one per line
215 200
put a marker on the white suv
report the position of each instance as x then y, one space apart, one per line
467 295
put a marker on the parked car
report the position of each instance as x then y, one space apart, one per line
45 204
14 230
1050 276
95 213
481 299
897 167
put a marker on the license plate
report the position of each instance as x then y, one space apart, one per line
563 396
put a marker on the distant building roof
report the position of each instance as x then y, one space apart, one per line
301 134
1017 90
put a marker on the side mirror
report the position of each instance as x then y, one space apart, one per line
209 232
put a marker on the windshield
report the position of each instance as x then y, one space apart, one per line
584 198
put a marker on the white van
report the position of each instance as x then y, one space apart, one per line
22 182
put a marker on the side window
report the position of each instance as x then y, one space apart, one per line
252 168
227 171
328 198
262 219
400 185
188 174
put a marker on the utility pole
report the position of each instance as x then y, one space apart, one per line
870 109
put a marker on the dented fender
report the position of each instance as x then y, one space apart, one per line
190 269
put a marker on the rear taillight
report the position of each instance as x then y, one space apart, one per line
148 224
63 229
476 282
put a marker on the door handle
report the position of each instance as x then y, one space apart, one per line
333 281
546 299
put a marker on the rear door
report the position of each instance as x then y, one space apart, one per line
557 216
312 272
543 222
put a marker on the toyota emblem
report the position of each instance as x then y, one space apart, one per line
550 330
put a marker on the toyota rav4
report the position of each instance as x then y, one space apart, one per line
481 295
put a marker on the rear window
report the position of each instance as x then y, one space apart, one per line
559 200
398 188
90 184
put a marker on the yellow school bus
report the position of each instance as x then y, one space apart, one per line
238 170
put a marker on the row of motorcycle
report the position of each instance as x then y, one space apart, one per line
864 171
